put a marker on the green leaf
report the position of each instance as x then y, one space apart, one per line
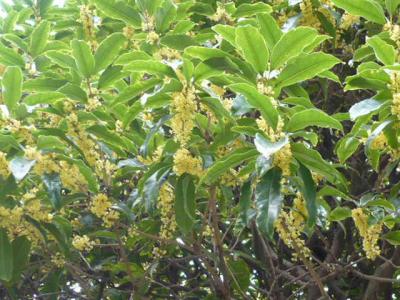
21 247
227 162
364 107
291 44
43 98
383 51
62 59
9 57
38 38
204 53
43 84
178 41
367 9
269 29
185 203
151 67
247 10
268 200
312 117
108 50
393 237
74 92
11 86
120 10
308 189
340 214
6 256
305 67
313 160
392 5
253 47
227 32
257 100
266 147
346 147
83 57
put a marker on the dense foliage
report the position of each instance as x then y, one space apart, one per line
200 149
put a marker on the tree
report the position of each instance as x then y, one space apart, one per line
199 149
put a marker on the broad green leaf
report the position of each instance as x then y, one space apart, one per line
151 67
43 98
383 51
227 162
340 214
312 117
185 203
74 92
165 16
247 10
313 160
364 107
204 53
178 41
253 47
393 237
245 202
268 200
38 38
6 256
291 44
108 51
227 32
269 29
136 89
83 57
308 189
110 76
305 67
257 100
120 10
346 147
266 147
11 86
21 247
10 57
392 5
367 9
43 84
62 59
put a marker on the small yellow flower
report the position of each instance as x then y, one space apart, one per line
282 159
369 234
101 206
4 166
184 162
82 243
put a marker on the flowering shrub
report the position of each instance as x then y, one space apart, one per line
196 149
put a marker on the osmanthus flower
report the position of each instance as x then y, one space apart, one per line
369 233
83 243
4 165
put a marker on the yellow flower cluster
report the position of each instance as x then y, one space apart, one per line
58 260
86 18
12 219
82 139
72 178
184 162
348 20
152 37
155 157
290 225
369 234
265 89
230 178
309 18
93 103
273 135
4 166
167 54
282 159
166 207
82 243
394 32
15 127
221 15
183 109
395 87
101 206
380 142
